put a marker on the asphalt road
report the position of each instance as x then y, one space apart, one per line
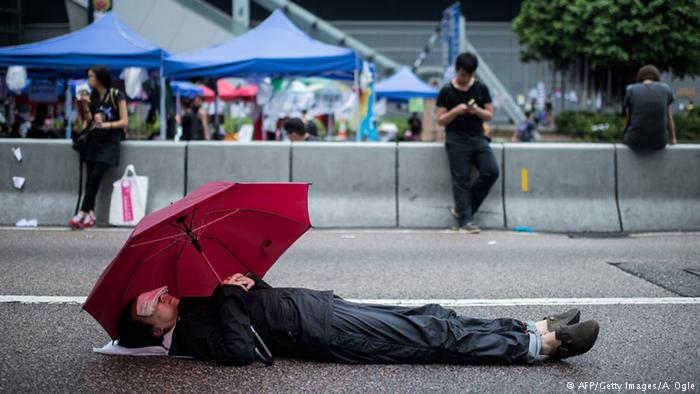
47 347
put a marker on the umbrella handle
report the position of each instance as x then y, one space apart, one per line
264 358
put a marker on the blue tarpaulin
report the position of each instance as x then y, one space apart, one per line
404 85
274 48
107 41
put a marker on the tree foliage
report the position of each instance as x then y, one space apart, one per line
621 35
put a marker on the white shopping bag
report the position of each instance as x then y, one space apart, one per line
129 196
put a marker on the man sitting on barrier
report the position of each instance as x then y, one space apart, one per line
246 318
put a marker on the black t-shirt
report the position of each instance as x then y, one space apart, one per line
192 128
103 144
450 97
647 104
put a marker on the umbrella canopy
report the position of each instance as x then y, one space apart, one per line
186 89
107 41
404 85
276 47
217 230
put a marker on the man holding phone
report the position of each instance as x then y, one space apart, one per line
462 107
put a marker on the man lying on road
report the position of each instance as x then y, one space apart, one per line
243 315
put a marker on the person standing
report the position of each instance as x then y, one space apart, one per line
415 124
194 122
463 105
104 111
649 115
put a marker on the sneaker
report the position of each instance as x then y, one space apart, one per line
76 220
88 221
454 212
575 339
470 228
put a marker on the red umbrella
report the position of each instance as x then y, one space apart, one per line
217 230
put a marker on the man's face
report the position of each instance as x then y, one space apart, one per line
462 76
165 315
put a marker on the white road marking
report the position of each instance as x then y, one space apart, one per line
23 299
456 303
67 229
689 233
447 302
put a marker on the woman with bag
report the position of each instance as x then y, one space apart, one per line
104 112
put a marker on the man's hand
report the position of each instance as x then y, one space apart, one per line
472 109
240 280
673 141
462 108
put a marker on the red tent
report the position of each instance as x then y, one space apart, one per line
229 93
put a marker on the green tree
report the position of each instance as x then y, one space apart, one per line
611 38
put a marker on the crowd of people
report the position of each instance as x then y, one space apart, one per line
464 104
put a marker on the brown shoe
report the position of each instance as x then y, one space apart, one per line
575 339
557 322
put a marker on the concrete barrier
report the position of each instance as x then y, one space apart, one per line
50 168
561 187
162 162
51 171
425 188
659 190
239 162
354 184
548 187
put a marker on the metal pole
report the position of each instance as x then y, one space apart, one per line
69 110
216 109
356 82
178 104
163 126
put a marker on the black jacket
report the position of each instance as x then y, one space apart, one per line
292 322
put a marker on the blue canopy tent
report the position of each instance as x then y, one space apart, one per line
404 85
274 48
107 41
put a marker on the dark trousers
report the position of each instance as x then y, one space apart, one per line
95 171
362 333
463 151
